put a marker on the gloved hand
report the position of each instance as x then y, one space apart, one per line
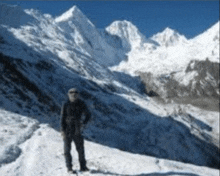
63 133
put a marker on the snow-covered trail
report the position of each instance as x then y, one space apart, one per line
42 154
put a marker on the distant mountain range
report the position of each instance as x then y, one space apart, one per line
163 62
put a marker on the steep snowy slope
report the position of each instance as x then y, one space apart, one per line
78 28
40 61
206 45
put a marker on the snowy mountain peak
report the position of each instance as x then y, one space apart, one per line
13 16
123 24
207 44
170 32
83 33
169 37
74 14
129 33
210 35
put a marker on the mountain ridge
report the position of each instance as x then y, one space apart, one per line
73 12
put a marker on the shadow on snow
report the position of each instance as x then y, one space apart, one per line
149 174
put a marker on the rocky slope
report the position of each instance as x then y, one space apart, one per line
198 84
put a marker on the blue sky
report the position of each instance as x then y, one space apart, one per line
189 18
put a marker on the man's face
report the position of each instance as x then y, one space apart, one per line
73 95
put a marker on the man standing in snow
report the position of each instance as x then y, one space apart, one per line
71 126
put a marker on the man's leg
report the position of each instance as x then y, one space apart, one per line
79 142
67 154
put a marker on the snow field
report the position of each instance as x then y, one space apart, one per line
15 129
42 154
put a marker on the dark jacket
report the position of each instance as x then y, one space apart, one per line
71 117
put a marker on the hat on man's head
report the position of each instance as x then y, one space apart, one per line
73 90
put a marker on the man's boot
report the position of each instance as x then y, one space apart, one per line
69 168
71 171
83 166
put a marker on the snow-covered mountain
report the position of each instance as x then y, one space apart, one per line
169 37
129 34
164 67
79 28
174 52
207 44
42 57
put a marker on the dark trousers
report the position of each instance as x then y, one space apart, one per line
79 143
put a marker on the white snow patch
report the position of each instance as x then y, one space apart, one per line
42 154
15 129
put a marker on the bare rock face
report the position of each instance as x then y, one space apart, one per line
199 81
207 81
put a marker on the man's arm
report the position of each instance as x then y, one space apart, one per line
63 116
86 112
88 116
